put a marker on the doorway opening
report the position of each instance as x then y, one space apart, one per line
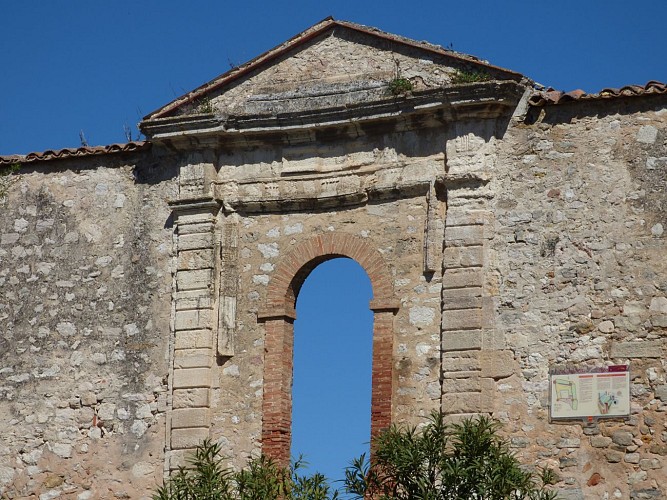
333 360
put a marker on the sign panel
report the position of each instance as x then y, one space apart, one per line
598 393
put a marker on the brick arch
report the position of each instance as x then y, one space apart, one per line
278 317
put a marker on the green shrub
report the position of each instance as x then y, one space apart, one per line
262 479
399 86
461 76
442 461
445 461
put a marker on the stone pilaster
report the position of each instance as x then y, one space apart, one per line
194 344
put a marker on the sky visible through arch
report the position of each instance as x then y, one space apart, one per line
333 337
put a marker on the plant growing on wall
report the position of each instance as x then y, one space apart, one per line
464 76
399 85
6 178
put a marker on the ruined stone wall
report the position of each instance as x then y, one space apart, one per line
85 284
580 277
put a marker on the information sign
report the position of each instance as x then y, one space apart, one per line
597 393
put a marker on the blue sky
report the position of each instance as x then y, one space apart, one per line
98 67
70 65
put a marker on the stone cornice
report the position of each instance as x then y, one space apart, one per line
471 101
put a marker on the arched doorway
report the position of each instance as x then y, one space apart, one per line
331 392
278 318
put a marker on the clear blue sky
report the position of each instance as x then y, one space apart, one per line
70 65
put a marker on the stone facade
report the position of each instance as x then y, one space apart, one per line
148 295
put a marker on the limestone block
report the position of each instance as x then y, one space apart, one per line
466 402
455 361
470 402
190 417
658 305
195 241
647 134
193 339
185 378
646 349
190 398
497 364
462 340
461 374
191 280
461 302
463 256
661 392
202 217
462 278
194 228
193 320
493 340
195 259
178 458
193 299
467 217
458 236
622 438
488 397
459 319
188 438
450 385
600 441
455 293
193 358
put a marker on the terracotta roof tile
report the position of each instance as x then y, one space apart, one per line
66 153
551 96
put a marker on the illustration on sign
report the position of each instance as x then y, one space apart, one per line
598 393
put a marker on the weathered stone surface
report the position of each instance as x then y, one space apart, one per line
622 438
497 364
646 349
462 340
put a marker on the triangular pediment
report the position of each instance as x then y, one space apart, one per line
333 64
